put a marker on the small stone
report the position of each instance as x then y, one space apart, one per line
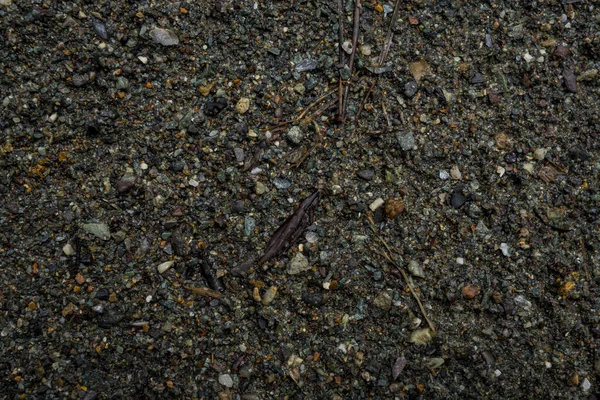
260 188
458 199
540 153
410 89
126 183
238 206
295 135
419 69
529 167
100 29
68 249
281 183
143 59
68 310
165 37
406 140
299 88
455 173
298 264
367 174
383 301
444 175
306 65
393 208
80 80
113 297
80 279
99 230
570 80
470 291
574 379
365 50
421 336
122 83
586 385
561 52
505 249
225 380
164 267
269 295
249 224
5 2
243 105
376 204
565 288
502 141
415 269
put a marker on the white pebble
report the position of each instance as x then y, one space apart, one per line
68 249
548 364
143 59
164 267
148 298
528 57
505 249
540 153
193 182
376 204
144 166
500 170
460 261
586 385
497 373
455 173
53 117
444 175
529 167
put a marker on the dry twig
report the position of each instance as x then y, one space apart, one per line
388 255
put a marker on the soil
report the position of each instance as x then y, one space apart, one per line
150 152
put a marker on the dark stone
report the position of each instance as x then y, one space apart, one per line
570 80
214 107
561 52
125 185
100 29
477 79
238 206
458 199
579 152
410 89
367 174
510 158
313 299
102 294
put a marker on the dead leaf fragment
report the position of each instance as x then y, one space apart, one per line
204 291
419 69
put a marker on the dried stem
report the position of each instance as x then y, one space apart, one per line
356 28
388 255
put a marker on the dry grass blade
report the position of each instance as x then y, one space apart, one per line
204 291
387 254
355 31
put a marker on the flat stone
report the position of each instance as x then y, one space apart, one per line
298 264
226 380
99 230
165 37
367 174
406 140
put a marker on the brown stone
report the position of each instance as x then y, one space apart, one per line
470 291
393 207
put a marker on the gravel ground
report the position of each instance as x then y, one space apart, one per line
148 153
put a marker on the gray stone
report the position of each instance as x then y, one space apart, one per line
295 135
99 230
165 37
225 380
383 301
298 264
406 140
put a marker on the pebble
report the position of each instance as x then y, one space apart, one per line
164 267
470 291
99 230
365 50
306 65
295 135
529 167
367 174
269 295
5 2
165 37
100 28
444 175
143 59
410 89
458 199
225 380
505 249
313 299
406 140
586 385
570 80
68 249
126 183
298 264
455 173
249 224
239 154
421 336
415 269
80 80
243 105
260 188
540 153
281 183
383 301
299 88
122 83
376 204
393 208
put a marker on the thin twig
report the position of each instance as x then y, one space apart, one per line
382 56
355 31
284 123
387 254
341 54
